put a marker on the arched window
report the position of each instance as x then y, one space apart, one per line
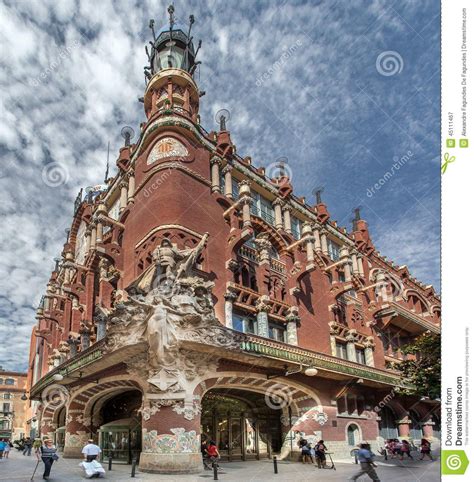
353 435
9 381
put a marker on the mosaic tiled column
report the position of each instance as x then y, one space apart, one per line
263 308
171 438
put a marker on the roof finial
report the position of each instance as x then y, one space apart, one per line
317 191
107 167
171 13
356 217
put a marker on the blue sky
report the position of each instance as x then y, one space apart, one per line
342 89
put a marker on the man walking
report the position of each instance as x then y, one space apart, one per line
366 459
27 446
91 451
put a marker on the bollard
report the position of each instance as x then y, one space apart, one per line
134 466
110 463
275 466
214 466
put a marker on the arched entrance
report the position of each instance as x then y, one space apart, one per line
120 431
60 432
388 424
241 423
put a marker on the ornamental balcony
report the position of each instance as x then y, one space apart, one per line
393 313
247 298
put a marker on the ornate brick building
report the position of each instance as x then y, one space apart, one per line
12 405
198 295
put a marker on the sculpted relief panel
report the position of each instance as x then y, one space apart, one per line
167 306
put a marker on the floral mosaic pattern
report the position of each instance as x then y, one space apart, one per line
179 441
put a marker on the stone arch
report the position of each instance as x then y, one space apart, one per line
259 383
79 422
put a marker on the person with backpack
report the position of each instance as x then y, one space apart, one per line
405 450
425 449
320 452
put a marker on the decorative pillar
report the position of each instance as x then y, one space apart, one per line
263 246
277 204
85 338
227 171
333 331
307 234
73 345
88 240
123 195
100 231
215 179
292 323
347 266
355 266
324 243
246 201
351 350
369 351
404 427
229 297
263 307
381 286
317 239
427 428
171 437
360 265
287 218
131 187
93 243
101 326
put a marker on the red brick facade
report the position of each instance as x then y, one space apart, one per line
278 264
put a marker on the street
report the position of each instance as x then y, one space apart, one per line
20 468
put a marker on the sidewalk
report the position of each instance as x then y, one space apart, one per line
19 468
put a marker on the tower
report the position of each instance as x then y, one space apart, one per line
169 74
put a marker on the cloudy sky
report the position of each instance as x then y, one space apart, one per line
347 91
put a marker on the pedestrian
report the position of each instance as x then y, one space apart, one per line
205 457
48 455
366 460
2 448
6 450
405 450
425 449
91 451
320 452
27 446
213 453
306 452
